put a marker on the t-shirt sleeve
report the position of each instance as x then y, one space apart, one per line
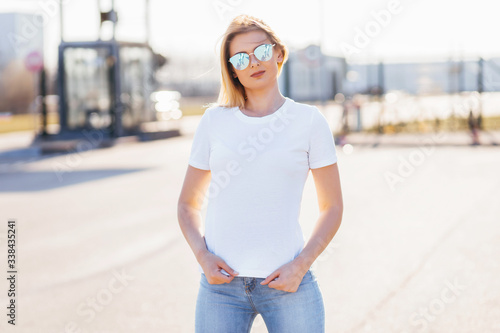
321 143
200 148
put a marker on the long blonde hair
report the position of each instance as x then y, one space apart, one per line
232 92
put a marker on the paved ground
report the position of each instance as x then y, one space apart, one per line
100 250
462 138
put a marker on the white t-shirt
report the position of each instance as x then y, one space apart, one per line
259 166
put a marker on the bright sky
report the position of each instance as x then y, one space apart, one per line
417 29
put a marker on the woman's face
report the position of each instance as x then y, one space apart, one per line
247 42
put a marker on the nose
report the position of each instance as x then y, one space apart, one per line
254 60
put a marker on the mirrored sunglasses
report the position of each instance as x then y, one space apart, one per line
262 52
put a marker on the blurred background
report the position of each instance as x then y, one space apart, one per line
383 66
99 101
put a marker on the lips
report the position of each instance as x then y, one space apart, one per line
257 73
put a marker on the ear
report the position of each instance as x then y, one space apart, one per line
280 56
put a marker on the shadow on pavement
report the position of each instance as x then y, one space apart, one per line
26 181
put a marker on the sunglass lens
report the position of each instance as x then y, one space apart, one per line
240 61
264 52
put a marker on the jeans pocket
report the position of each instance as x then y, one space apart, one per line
308 277
203 280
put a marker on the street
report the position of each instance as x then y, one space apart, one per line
99 248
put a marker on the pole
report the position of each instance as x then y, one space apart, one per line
380 93
286 78
480 74
322 58
462 74
114 21
100 24
381 78
147 18
61 22
43 94
480 88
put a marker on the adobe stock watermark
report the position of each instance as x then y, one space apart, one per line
407 166
93 139
420 319
87 310
222 7
29 29
362 37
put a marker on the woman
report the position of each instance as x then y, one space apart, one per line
249 160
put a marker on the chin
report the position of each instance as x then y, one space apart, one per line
252 83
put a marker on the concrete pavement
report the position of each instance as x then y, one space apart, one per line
100 250
460 138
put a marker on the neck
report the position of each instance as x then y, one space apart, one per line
265 101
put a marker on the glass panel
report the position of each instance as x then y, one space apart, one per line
136 67
88 93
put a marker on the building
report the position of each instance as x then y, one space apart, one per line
445 77
311 75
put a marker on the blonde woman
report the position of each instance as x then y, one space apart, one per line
250 158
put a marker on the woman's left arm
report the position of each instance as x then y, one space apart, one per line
327 182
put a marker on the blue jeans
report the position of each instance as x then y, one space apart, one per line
232 307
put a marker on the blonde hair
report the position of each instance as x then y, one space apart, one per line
232 92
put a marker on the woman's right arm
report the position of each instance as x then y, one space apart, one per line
190 221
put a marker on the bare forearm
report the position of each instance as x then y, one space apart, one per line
326 227
190 223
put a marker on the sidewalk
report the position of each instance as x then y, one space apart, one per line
16 144
491 138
